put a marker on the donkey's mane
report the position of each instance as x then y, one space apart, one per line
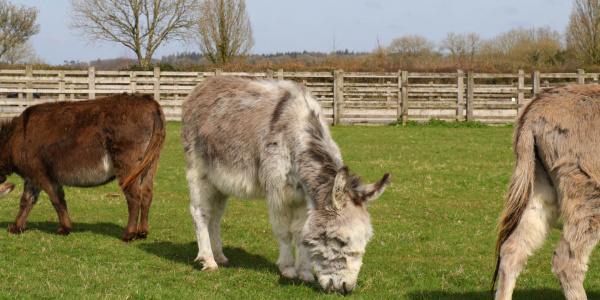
319 153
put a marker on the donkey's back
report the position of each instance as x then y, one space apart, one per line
239 127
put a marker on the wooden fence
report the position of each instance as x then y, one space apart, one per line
346 97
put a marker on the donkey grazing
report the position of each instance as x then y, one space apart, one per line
557 172
84 144
247 138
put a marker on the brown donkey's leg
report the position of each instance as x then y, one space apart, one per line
57 197
133 195
571 255
28 200
142 231
147 192
539 215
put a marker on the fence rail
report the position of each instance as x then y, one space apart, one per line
346 97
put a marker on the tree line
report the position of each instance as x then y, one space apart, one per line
223 33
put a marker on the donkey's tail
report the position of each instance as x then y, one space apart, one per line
152 151
521 187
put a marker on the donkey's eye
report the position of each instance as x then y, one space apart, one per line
342 242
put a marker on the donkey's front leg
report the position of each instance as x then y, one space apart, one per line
28 200
280 216
303 264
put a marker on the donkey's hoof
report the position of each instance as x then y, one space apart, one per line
306 277
289 273
63 231
222 261
142 235
14 229
128 236
210 268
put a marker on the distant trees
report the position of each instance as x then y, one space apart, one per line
224 30
583 31
525 47
461 47
17 25
411 48
140 25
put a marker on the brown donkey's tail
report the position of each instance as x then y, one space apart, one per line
152 151
520 189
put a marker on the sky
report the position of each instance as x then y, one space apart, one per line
322 25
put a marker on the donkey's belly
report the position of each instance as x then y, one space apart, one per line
93 174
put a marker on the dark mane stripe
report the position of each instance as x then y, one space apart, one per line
281 104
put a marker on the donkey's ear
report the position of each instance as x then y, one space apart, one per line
339 184
6 188
373 190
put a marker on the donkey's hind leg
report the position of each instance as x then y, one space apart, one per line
581 231
538 218
218 202
203 198
147 193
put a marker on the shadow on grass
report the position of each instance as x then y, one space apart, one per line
102 228
186 253
518 294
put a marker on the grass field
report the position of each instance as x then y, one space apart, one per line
435 229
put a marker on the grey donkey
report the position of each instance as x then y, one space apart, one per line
251 138
557 173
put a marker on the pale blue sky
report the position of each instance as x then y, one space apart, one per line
313 25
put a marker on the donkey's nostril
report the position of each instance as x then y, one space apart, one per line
346 288
330 286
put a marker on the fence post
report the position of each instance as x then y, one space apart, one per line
404 96
580 78
269 73
520 90
399 100
91 82
133 81
156 83
460 94
29 83
338 97
61 85
218 71
470 95
280 74
535 83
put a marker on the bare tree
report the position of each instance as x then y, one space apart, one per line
583 31
22 53
17 25
462 47
411 49
140 25
224 32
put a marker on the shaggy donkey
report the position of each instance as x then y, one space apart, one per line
84 144
249 138
557 172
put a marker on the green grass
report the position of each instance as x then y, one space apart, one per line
435 229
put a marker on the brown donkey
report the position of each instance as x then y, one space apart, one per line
85 144
557 172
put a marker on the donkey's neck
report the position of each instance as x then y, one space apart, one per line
318 161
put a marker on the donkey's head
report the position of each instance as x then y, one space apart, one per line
338 230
